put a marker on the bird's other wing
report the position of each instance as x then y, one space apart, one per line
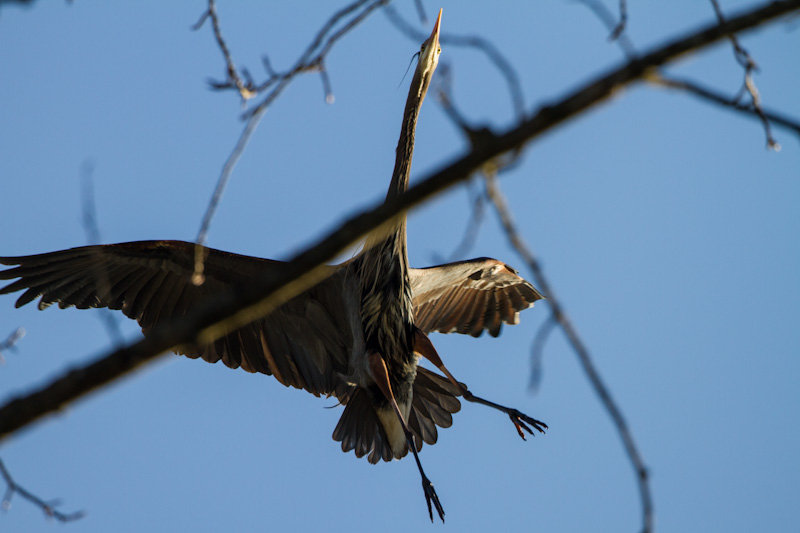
469 296
304 343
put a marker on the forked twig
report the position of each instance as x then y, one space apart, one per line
749 86
48 508
313 59
233 77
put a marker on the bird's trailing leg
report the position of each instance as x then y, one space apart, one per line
424 347
381 375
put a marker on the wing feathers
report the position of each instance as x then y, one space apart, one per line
305 343
469 296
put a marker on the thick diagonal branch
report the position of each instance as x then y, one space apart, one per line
233 309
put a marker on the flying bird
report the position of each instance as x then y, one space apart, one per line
357 335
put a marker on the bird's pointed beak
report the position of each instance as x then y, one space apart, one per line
434 38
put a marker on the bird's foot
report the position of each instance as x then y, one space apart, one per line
520 420
430 496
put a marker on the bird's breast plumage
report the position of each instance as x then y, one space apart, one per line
387 314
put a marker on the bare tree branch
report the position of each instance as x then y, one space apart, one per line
537 351
490 171
49 508
238 307
694 88
233 77
734 103
471 231
560 316
749 65
309 61
313 58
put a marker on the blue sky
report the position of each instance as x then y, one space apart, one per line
667 229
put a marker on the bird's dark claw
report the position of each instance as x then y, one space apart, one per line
430 496
519 420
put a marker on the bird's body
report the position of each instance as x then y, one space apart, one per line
357 335
387 317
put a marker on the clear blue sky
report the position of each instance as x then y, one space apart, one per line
666 227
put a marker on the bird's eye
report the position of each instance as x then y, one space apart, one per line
439 51
422 48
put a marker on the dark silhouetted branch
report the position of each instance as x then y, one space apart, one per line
235 308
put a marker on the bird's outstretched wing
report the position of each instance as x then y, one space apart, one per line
469 296
304 343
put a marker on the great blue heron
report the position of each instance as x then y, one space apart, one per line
357 335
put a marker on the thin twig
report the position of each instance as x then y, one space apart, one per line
198 278
731 102
233 76
49 508
537 351
749 65
477 211
623 20
316 52
601 12
90 226
423 17
580 349
11 342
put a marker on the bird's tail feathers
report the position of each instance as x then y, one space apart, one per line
360 428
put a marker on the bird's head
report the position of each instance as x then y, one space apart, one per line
429 57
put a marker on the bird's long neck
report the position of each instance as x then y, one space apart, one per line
405 145
386 301
395 238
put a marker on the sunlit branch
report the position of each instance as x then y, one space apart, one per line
235 308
